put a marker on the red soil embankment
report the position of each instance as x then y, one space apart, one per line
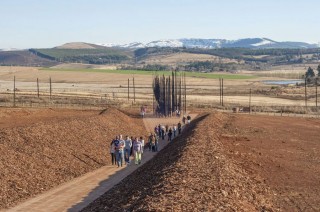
40 149
192 173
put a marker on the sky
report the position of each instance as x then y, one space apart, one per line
49 23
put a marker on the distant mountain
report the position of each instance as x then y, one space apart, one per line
79 45
252 43
10 49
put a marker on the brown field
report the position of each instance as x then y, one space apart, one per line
113 86
184 58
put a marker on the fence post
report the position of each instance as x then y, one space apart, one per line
222 91
38 87
128 89
305 93
250 102
317 94
14 91
134 91
50 87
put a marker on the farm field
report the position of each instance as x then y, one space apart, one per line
112 85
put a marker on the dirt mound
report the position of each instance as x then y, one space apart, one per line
191 174
41 154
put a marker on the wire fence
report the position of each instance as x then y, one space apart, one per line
201 95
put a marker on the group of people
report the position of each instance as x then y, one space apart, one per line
121 149
188 119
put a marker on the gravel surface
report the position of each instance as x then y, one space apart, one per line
190 174
41 154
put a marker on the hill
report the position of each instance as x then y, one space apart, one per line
91 55
79 45
23 58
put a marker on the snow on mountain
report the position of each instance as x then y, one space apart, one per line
263 42
165 43
255 43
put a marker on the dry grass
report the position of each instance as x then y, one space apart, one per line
184 58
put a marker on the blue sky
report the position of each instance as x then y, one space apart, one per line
48 23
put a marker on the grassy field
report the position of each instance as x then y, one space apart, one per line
166 73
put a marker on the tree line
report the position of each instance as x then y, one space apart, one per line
311 76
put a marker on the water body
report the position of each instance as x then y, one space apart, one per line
282 82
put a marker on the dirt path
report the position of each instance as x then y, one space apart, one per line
78 193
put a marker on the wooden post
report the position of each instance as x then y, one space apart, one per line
50 87
128 89
14 91
134 91
175 91
185 93
305 92
38 87
317 94
180 94
153 103
250 102
222 91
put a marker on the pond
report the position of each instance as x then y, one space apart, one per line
282 82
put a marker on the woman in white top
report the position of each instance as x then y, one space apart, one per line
142 144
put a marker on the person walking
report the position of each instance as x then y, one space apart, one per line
170 134
159 130
174 130
156 130
179 127
127 149
137 147
188 119
119 146
153 143
131 146
112 152
150 141
184 119
162 133
142 144
156 138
